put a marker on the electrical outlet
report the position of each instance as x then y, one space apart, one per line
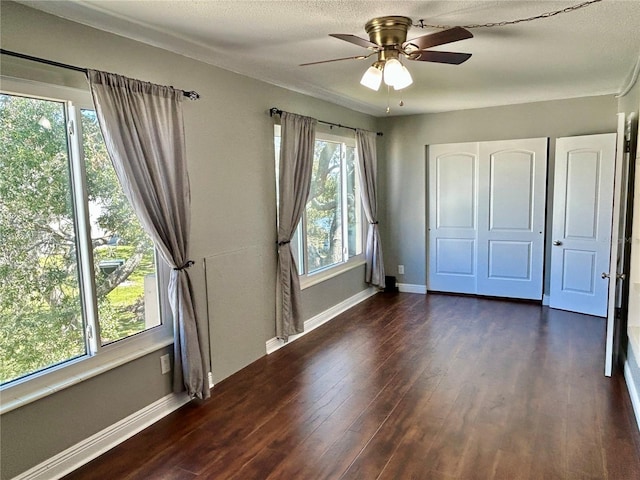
165 364
400 269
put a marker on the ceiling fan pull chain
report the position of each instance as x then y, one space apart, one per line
388 99
570 9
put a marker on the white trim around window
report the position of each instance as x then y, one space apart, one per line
101 358
299 240
320 276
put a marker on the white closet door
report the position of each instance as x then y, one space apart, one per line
582 215
511 218
453 206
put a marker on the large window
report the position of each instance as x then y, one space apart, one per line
330 233
77 272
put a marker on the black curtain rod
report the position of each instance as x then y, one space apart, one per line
191 95
276 111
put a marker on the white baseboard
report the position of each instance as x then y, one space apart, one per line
275 343
411 288
94 446
633 392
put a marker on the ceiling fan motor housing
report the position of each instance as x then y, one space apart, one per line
388 31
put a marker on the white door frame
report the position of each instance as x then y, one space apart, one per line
614 275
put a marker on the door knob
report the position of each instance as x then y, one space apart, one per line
557 243
604 275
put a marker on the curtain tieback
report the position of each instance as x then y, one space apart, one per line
283 243
186 265
373 223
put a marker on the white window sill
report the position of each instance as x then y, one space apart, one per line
320 276
39 385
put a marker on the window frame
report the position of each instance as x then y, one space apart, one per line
299 240
97 358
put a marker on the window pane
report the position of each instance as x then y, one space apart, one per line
124 264
354 205
41 320
323 213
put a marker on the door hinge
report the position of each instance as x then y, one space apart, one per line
627 146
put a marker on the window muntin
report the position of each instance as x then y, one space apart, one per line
330 233
95 210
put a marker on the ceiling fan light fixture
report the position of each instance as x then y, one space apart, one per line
372 78
392 72
404 80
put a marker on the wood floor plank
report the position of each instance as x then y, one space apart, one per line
481 449
406 386
512 466
584 443
550 449
451 441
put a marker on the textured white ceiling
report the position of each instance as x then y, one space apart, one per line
591 51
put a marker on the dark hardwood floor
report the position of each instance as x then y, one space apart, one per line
406 386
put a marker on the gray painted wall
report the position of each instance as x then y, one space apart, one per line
229 142
403 162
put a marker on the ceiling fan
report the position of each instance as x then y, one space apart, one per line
388 39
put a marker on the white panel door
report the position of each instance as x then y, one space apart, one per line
453 180
582 215
511 218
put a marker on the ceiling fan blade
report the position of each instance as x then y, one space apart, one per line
452 58
439 38
357 57
361 42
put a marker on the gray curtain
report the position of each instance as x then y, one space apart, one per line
367 167
143 131
294 181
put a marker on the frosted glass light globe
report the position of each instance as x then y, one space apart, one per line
372 78
404 80
392 71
